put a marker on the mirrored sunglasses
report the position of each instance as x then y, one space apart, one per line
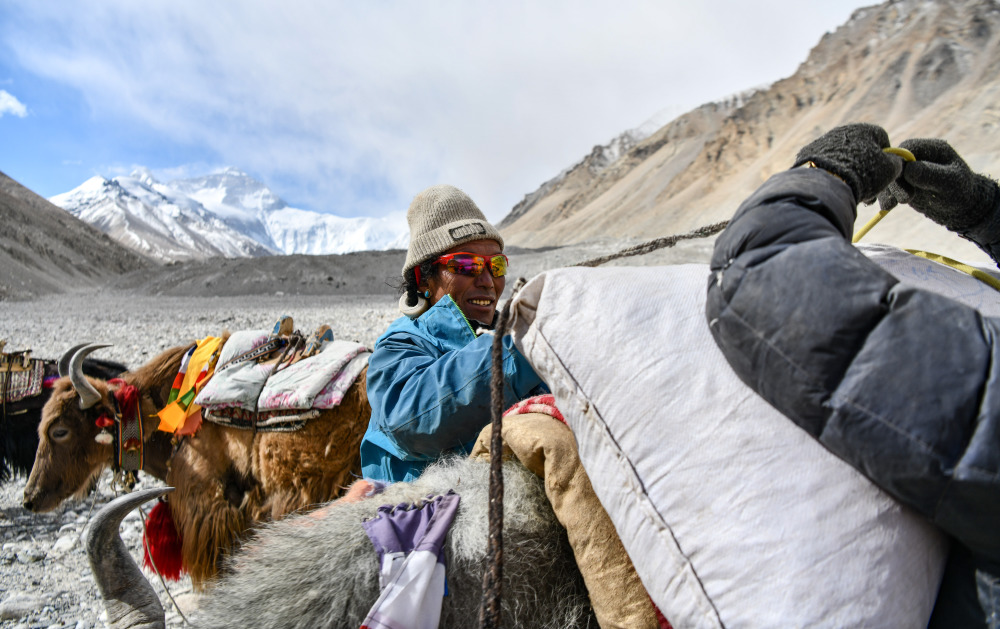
473 265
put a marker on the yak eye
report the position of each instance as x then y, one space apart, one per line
58 434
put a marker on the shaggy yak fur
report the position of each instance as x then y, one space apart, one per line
226 478
19 424
320 570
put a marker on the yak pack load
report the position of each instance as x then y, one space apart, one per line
276 381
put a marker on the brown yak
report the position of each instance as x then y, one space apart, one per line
226 478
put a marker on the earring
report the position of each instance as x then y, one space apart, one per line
427 294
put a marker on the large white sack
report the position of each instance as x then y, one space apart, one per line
733 516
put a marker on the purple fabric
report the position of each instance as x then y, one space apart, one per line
405 527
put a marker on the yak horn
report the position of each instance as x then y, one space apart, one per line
67 357
88 394
128 597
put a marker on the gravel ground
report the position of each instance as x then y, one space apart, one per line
45 580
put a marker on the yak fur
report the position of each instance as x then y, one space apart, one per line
320 570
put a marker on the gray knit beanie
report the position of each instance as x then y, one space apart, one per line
440 218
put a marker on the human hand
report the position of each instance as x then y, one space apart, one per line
941 186
854 153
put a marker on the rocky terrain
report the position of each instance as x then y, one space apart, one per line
44 575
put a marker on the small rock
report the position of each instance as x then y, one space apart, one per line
19 605
64 544
30 555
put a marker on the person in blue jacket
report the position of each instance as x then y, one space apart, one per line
901 383
429 373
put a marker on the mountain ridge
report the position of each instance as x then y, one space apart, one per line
918 68
225 214
43 249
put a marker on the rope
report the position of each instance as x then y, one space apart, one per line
907 157
979 274
659 243
489 611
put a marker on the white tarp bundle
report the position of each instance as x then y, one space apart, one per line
733 516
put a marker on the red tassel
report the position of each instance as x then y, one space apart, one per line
163 544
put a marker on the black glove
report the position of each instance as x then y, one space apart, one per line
942 187
854 153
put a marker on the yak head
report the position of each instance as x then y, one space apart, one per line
69 460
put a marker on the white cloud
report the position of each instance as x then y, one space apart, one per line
356 107
10 105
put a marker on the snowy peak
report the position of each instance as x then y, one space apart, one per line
228 214
155 220
231 193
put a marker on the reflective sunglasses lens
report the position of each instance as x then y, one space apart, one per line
498 265
466 265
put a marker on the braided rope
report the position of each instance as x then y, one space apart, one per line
658 243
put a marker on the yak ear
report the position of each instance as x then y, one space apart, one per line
88 394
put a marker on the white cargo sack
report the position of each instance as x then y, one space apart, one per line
732 515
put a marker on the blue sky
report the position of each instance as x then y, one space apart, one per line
353 108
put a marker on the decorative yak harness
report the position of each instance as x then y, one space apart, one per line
125 435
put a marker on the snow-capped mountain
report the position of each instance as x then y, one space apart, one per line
228 214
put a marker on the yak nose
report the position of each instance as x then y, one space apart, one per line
30 501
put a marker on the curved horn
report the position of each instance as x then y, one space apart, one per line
68 356
88 394
128 597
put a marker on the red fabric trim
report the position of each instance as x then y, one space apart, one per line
545 404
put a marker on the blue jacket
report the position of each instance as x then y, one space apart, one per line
429 389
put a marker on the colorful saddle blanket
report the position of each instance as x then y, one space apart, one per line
265 395
20 376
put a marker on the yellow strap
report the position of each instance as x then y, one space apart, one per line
979 274
864 230
907 157
905 154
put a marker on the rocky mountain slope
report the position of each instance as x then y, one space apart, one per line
920 68
45 250
227 214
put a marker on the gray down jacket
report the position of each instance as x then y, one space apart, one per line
901 383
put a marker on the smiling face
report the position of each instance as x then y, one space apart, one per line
477 297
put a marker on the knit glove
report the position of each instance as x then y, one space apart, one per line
854 153
942 187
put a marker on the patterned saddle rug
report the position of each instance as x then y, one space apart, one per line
261 385
21 376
